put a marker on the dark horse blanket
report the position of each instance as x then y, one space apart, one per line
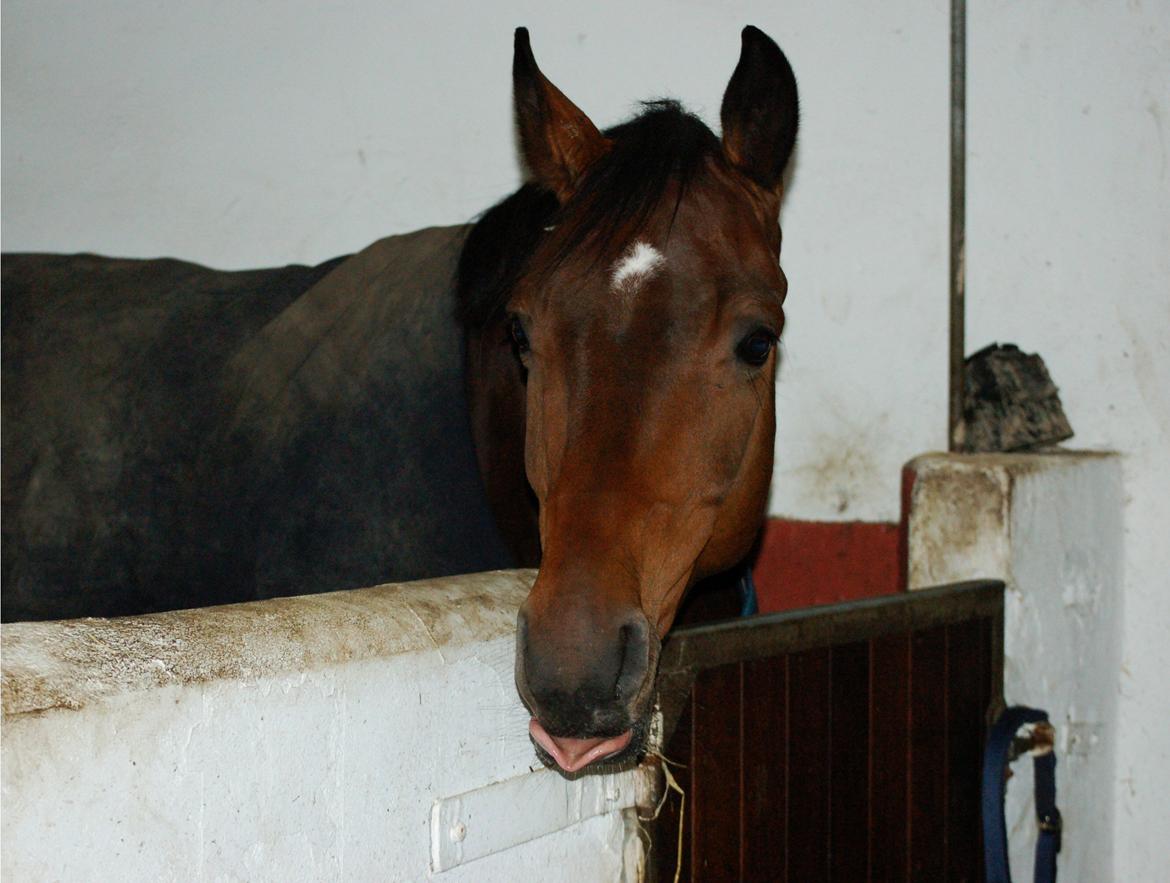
175 435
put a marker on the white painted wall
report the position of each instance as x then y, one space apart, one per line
295 739
251 134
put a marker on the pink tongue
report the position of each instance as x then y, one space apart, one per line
574 754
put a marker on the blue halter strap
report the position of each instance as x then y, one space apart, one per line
996 757
749 604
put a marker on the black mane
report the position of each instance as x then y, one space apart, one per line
662 145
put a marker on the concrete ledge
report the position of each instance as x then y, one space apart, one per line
73 663
1051 526
294 739
960 524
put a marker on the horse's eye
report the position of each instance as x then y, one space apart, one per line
518 335
756 347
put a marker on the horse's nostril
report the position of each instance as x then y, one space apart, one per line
635 660
581 682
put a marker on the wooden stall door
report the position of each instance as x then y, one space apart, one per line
836 760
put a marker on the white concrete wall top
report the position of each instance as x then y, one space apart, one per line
364 735
74 663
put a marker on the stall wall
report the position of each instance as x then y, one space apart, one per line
365 735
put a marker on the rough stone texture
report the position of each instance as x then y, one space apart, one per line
294 739
1010 402
1050 526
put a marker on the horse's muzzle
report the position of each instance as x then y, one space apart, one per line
589 690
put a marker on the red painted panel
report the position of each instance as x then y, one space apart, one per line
805 563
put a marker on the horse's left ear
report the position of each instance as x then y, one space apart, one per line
760 111
558 141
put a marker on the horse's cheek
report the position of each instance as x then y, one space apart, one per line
535 462
743 510
537 441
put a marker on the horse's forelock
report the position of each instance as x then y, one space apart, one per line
656 154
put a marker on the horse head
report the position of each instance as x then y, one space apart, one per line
645 319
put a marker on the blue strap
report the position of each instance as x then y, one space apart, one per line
996 758
749 604
1048 817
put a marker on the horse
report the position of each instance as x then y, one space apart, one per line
583 380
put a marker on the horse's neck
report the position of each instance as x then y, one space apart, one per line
496 396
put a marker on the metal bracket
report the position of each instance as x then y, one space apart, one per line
484 821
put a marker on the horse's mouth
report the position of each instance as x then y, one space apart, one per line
579 757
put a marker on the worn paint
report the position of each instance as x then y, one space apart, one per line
299 738
70 664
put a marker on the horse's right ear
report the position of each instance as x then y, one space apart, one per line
558 141
760 111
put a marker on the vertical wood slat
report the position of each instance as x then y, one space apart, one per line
889 759
849 759
966 709
765 770
715 807
928 755
809 733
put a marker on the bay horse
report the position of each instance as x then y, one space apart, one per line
595 393
638 281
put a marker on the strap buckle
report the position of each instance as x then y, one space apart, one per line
1052 824
1038 740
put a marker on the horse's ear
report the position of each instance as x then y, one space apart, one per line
760 111
558 141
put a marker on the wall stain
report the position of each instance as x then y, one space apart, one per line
69 664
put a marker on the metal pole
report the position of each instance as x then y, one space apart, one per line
958 219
